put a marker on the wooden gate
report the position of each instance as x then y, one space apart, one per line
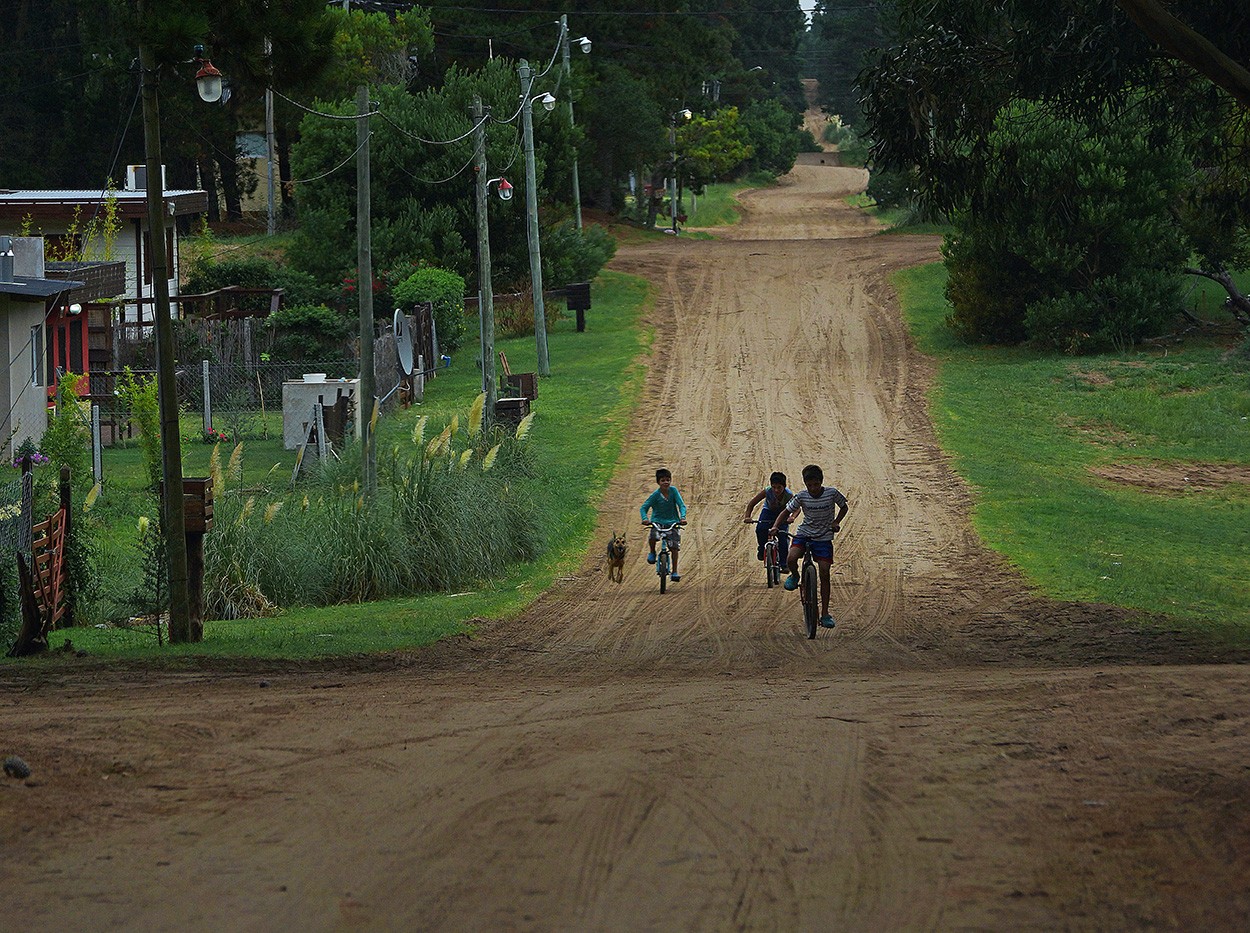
42 585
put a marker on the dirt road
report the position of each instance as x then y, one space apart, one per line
959 754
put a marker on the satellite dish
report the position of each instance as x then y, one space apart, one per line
403 342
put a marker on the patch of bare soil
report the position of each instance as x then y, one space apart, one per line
1171 478
960 753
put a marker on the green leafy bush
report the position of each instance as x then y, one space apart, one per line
570 255
1113 312
138 394
67 443
1073 238
67 440
299 288
771 133
308 332
445 291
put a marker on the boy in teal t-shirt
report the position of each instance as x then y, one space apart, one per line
667 508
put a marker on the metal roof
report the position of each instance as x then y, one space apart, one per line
37 288
131 203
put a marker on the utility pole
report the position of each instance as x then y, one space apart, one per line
486 294
270 149
672 176
564 52
364 283
531 215
173 517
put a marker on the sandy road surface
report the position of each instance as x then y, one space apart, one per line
959 754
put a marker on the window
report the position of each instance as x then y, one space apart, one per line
36 354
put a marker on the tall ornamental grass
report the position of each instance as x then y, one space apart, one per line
452 508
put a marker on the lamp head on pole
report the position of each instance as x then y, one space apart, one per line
548 101
208 81
505 188
584 42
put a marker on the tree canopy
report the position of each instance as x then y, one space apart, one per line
1074 64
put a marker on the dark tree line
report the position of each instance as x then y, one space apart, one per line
70 83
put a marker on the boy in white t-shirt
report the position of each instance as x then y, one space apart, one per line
823 508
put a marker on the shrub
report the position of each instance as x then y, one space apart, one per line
308 332
67 440
445 291
893 188
299 288
570 255
1113 312
1072 239
139 397
67 443
771 133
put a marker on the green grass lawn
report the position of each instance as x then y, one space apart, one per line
1040 439
582 411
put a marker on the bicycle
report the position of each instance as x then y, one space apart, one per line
663 555
774 555
809 592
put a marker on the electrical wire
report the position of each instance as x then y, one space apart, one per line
303 181
435 142
443 181
320 113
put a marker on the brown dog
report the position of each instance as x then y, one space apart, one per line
616 558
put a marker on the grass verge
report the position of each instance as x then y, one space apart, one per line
1122 478
582 412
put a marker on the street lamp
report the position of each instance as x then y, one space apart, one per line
208 81
182 626
504 188
672 181
584 42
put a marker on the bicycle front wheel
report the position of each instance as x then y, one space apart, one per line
807 587
663 569
770 564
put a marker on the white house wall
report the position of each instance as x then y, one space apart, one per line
25 407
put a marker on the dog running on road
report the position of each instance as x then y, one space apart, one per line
616 558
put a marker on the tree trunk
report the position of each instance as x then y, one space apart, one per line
31 638
282 142
208 178
1238 305
1186 45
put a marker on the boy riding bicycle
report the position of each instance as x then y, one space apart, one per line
667 508
818 504
775 498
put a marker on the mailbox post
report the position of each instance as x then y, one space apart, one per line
197 501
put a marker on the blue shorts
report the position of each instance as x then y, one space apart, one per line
821 550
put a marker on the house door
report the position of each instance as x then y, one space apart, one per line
67 348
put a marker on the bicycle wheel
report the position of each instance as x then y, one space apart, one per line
807 586
770 564
662 568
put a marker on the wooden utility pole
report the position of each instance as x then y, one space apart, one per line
364 276
568 85
531 215
172 516
486 294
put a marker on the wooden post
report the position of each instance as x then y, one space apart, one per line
67 506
